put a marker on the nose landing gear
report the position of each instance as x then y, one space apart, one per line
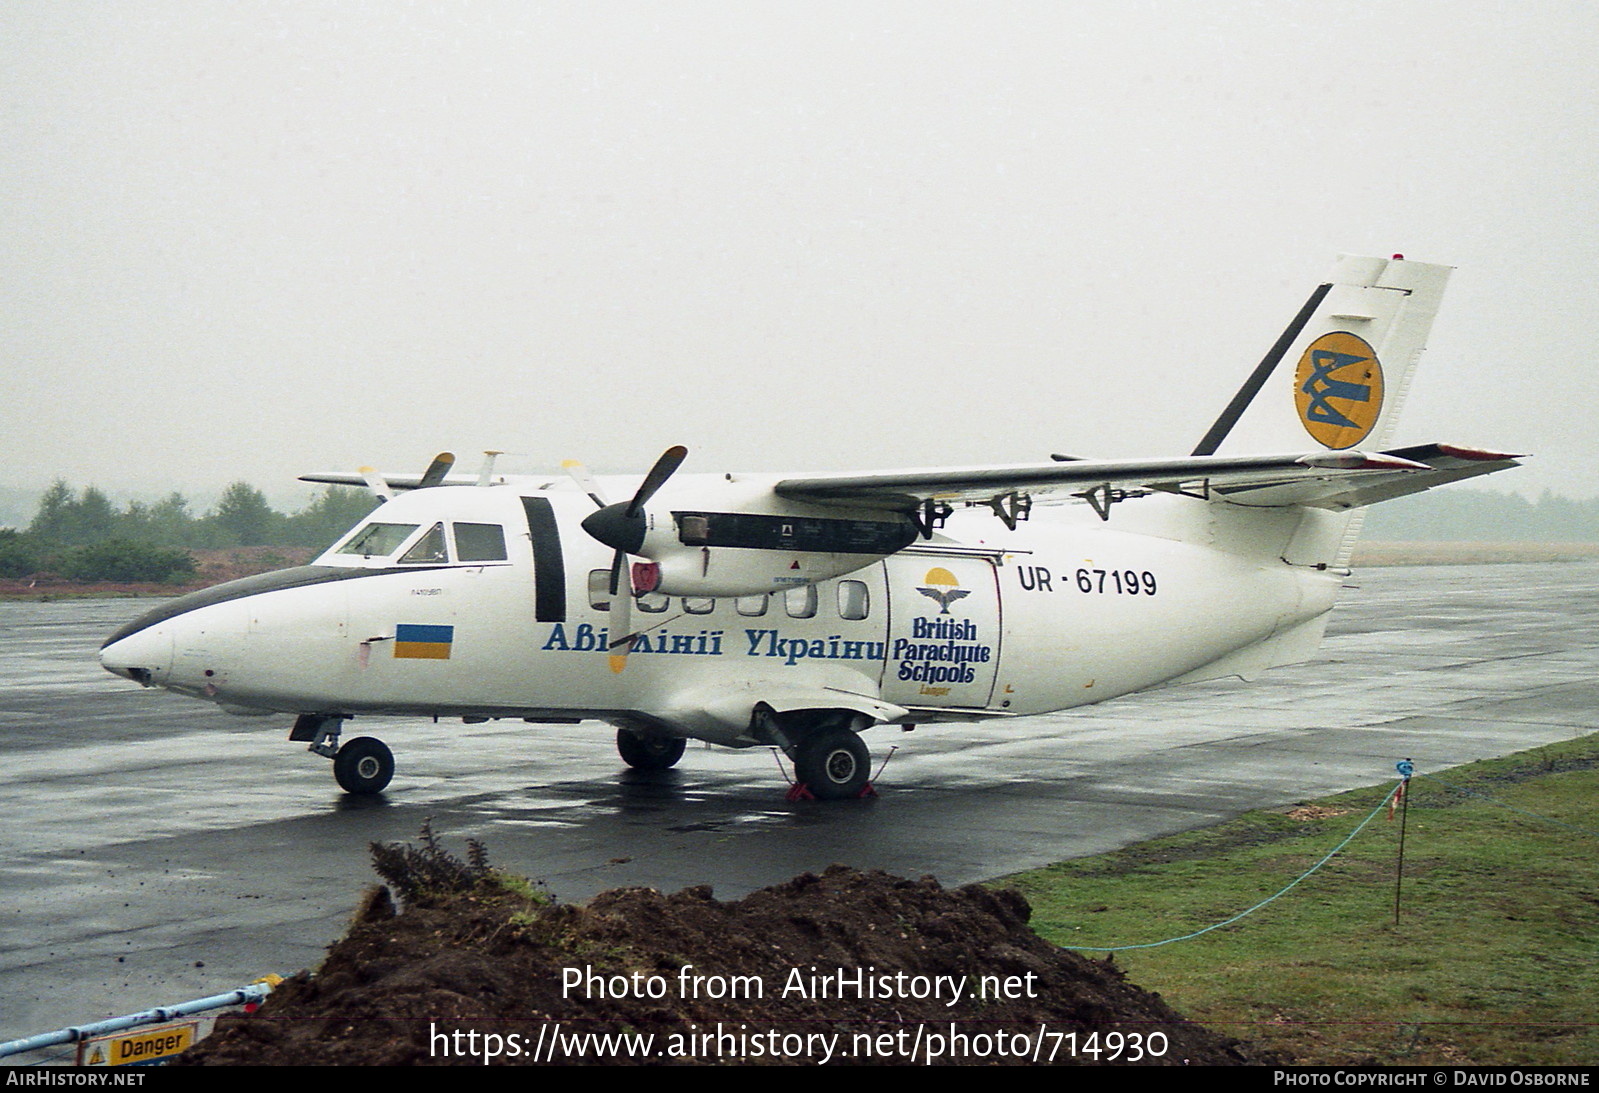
364 765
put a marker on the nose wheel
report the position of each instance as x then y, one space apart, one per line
364 765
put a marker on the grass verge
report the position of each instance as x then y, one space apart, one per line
1495 958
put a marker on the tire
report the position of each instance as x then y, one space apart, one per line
364 765
834 764
649 752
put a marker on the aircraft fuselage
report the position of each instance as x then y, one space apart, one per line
979 621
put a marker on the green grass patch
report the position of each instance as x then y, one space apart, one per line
1494 960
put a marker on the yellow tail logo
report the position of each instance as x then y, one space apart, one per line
1338 389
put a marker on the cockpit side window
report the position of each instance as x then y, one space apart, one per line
479 543
378 540
429 550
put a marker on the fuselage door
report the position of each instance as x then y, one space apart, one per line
944 630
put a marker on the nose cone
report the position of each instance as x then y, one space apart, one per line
140 653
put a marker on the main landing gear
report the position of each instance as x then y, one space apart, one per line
362 766
650 752
833 764
831 761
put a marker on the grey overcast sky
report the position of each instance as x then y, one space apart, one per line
248 240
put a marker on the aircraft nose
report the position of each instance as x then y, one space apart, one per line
144 656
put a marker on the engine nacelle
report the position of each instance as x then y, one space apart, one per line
740 539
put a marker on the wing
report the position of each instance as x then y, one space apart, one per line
1326 479
394 481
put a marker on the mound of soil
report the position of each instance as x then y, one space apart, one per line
846 967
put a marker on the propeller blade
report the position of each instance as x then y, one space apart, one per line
664 468
622 527
620 622
376 483
486 472
585 482
436 471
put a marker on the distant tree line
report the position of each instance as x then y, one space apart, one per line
81 535
1484 516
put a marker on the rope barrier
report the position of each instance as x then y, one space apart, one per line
1269 899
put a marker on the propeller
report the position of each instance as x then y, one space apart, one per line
437 469
619 625
487 471
622 528
580 474
377 483
433 476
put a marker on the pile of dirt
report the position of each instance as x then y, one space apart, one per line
846 967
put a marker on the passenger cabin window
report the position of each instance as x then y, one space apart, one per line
801 602
699 605
752 606
854 600
479 543
378 540
654 602
429 550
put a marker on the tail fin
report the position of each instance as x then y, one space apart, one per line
1355 345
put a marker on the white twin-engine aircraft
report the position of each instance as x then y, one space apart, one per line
796 611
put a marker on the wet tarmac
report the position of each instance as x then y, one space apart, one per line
156 849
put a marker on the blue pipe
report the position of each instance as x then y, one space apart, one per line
255 992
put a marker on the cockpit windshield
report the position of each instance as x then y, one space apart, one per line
378 540
473 544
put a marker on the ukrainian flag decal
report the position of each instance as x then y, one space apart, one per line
423 642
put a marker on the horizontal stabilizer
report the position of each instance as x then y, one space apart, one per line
1436 465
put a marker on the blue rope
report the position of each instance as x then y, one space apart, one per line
1269 899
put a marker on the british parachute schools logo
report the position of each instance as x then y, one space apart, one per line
1338 389
941 586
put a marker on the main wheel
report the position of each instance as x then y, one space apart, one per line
649 752
833 764
364 765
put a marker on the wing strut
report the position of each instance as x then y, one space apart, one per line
1257 379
